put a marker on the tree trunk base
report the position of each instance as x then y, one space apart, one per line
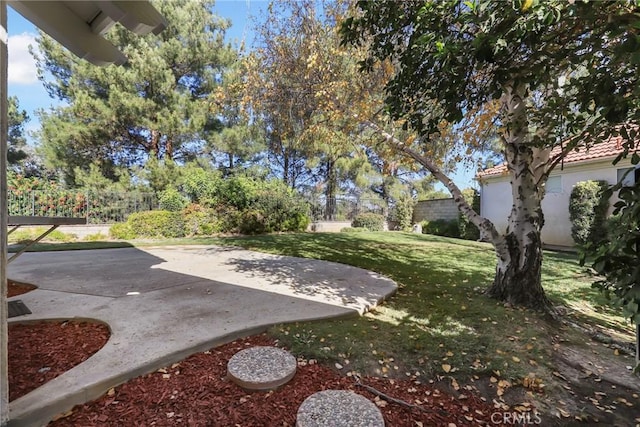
518 277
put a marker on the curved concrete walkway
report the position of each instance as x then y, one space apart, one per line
163 304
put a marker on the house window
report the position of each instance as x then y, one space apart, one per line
628 179
554 185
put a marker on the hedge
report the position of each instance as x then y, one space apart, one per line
441 227
371 221
588 212
156 224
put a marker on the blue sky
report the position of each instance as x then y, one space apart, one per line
32 96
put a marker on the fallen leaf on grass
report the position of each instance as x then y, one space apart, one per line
446 368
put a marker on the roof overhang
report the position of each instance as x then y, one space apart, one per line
79 25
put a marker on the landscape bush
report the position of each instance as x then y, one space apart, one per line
200 221
371 221
588 212
171 200
274 208
236 204
466 230
441 227
157 224
402 212
121 231
201 185
238 191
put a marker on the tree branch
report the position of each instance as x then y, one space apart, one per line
488 231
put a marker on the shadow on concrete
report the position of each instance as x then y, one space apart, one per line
163 304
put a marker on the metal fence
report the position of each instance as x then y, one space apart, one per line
96 208
108 208
344 208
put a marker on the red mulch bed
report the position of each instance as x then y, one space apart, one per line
196 392
39 352
16 288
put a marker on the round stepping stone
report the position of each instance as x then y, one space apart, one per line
262 368
338 408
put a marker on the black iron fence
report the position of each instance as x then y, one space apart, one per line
110 207
96 208
344 208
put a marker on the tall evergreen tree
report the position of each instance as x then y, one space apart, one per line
157 104
16 138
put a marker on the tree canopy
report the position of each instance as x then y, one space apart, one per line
556 71
157 104
16 138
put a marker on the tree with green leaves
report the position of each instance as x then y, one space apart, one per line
155 105
16 138
308 91
555 71
617 261
234 136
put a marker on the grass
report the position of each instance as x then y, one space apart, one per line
438 323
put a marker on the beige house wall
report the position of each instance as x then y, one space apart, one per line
496 200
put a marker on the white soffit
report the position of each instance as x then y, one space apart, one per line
79 25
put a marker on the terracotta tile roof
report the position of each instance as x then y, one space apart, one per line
607 149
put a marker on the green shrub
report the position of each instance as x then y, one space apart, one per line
466 230
238 191
588 212
59 236
200 221
371 221
402 212
229 219
157 224
353 230
441 227
171 200
297 221
27 235
201 185
95 237
252 221
121 231
275 208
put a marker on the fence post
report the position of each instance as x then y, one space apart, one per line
87 207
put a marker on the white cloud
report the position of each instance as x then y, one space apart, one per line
22 66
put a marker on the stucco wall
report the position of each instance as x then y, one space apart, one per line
496 201
435 209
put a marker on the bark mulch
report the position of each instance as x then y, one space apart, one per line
196 392
41 351
16 288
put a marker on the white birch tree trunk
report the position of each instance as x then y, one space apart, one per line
517 279
518 271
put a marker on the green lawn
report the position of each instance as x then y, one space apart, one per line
439 322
